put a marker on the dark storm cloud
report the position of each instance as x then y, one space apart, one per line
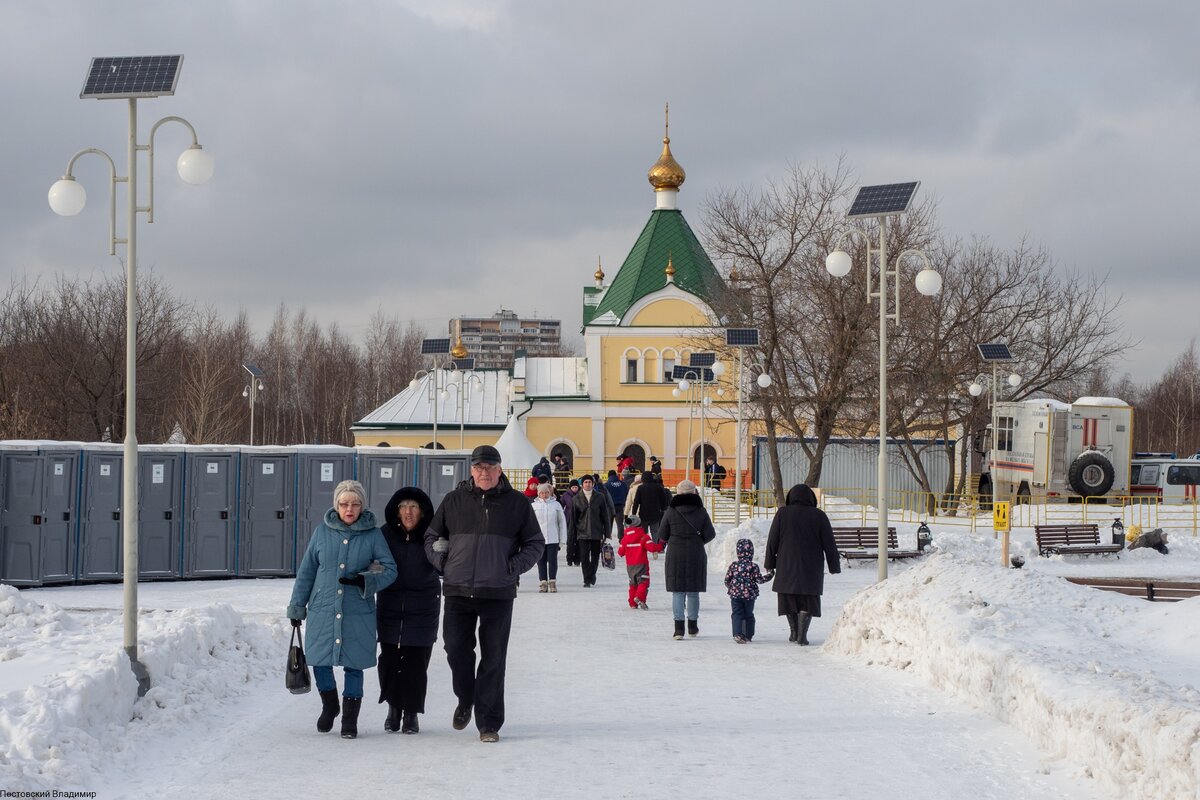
445 158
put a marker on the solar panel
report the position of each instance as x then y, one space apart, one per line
882 200
702 359
692 373
435 347
131 76
741 337
994 351
253 369
465 363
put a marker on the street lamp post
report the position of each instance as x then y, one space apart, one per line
880 202
435 389
976 389
693 380
764 381
130 79
462 388
251 390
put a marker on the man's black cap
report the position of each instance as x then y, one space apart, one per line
485 454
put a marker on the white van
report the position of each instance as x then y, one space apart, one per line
1170 479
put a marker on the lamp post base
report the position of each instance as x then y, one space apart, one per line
139 671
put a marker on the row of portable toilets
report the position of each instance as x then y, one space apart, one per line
204 511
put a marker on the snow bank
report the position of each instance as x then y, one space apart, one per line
1062 663
75 725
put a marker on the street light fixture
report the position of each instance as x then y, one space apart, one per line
743 338
130 78
462 388
879 203
251 391
693 379
436 382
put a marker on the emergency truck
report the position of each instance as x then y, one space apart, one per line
1046 448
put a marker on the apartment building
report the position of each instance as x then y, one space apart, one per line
494 340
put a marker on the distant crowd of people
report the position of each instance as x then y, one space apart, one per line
360 584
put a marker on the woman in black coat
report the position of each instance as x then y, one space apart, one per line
684 530
408 610
801 539
650 503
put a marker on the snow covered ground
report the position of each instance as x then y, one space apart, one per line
953 678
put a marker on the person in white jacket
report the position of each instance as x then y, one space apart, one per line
550 517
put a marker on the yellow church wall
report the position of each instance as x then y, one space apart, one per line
544 432
620 431
720 432
652 352
671 312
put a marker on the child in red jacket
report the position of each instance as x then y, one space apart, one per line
635 544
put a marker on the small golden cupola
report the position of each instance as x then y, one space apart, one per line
666 176
458 351
670 270
599 275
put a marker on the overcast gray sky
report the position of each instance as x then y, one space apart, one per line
445 158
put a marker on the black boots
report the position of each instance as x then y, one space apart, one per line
805 620
409 725
794 627
392 723
329 711
693 627
678 629
351 705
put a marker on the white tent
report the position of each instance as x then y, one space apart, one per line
516 451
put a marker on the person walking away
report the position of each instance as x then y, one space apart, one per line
408 611
741 581
684 531
553 524
800 539
635 544
482 537
652 501
346 563
591 521
617 490
542 469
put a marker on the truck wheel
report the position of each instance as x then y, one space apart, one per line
1091 475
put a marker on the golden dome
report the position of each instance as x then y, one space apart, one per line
458 351
670 270
666 172
599 275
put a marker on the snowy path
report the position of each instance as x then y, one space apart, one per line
601 703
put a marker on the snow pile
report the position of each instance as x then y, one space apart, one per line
75 724
1078 670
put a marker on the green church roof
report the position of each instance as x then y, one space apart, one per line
666 235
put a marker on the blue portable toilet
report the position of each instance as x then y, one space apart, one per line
440 471
160 521
383 470
38 521
320 468
101 523
267 522
60 504
210 511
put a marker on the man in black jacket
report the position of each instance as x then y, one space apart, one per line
483 536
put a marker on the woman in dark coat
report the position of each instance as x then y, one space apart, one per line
801 539
651 503
408 613
684 530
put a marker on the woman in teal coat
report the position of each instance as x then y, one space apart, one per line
346 563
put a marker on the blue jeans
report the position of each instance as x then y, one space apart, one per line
692 600
325 682
743 617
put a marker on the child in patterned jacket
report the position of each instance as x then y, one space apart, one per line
635 544
742 580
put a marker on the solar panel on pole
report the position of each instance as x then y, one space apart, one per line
435 347
253 369
741 337
702 359
693 373
882 200
112 78
465 363
994 351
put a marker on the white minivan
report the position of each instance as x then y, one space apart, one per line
1168 479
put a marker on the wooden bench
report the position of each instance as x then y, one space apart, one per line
863 543
1072 540
1151 589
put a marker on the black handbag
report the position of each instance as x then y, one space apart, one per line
296 678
